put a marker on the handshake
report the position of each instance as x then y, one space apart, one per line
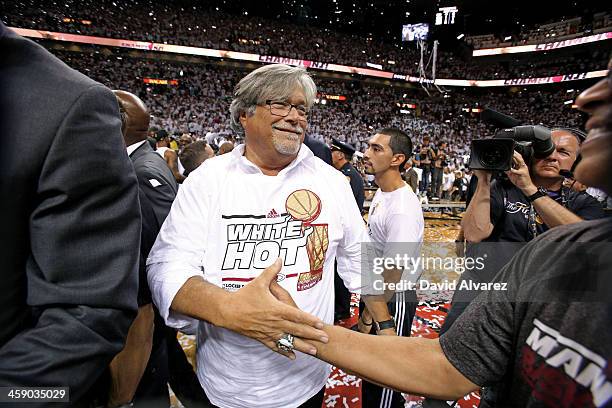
264 311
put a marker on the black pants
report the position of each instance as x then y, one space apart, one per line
436 182
425 176
403 308
152 390
342 302
182 377
168 364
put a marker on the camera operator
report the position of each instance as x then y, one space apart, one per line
514 211
533 200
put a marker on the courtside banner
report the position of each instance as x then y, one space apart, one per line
139 45
268 59
325 66
243 56
543 46
518 81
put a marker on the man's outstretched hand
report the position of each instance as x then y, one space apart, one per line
264 311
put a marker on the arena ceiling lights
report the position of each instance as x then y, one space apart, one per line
242 56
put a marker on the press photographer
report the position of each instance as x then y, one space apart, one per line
505 212
532 199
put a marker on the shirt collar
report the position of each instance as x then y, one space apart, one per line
131 148
305 157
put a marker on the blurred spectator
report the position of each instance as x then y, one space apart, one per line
195 154
225 147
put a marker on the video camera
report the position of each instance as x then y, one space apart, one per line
495 154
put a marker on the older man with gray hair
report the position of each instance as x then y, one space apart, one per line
237 220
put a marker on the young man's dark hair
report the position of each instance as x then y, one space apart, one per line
399 143
193 155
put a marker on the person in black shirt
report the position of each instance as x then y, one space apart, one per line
426 156
342 154
518 210
460 187
440 161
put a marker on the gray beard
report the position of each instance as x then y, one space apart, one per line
286 147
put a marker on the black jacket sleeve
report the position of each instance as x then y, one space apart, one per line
82 269
160 194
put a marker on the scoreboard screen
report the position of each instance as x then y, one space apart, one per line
413 32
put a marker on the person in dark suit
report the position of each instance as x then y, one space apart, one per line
71 224
411 177
154 176
342 153
126 370
320 149
167 362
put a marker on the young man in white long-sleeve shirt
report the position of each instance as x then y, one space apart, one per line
395 226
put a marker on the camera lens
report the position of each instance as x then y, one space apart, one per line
493 156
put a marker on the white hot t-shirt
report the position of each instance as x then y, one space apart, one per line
229 222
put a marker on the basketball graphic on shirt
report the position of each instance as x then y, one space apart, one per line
303 205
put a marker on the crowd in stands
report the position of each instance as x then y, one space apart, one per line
202 27
532 68
199 103
550 31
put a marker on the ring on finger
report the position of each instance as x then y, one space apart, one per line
285 343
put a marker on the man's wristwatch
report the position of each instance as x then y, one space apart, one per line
540 193
386 324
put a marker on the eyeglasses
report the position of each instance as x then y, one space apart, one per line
283 109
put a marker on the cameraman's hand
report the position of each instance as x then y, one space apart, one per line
519 175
